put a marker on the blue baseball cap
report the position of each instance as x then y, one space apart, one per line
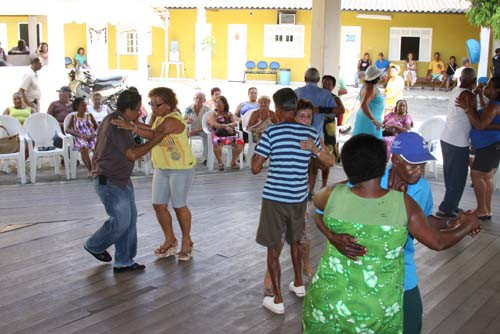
411 147
482 80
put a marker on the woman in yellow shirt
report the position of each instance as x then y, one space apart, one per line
394 89
174 164
17 111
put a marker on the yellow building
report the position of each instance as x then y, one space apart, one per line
233 32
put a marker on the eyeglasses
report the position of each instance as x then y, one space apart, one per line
155 105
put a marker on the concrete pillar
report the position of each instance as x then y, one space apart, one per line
32 42
482 70
200 33
55 30
325 36
142 55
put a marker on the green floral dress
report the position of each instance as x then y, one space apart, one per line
365 296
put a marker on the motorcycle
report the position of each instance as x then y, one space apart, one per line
83 84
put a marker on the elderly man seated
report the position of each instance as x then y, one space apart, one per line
20 49
193 116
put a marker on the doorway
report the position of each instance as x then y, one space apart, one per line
236 51
350 47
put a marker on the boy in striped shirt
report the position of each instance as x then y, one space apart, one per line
284 200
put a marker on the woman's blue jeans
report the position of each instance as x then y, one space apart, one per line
120 228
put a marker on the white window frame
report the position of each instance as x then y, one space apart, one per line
425 35
39 24
284 41
122 41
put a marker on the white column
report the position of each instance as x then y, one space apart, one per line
199 59
32 21
142 56
55 40
325 36
166 23
482 70
317 34
331 55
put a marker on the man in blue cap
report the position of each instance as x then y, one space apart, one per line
409 156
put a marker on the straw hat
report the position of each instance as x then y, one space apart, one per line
396 67
372 73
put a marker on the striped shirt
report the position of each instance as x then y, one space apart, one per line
287 178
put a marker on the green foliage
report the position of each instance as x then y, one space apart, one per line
485 13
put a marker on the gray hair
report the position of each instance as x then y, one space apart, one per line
465 61
312 75
199 93
468 75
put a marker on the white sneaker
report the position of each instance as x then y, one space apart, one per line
300 291
272 306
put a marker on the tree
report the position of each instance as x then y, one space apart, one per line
485 13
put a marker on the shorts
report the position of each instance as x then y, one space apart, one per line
439 77
172 183
487 158
277 218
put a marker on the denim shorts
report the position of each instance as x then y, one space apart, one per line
172 183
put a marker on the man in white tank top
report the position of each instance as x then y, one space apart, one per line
455 147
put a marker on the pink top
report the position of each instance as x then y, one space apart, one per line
403 121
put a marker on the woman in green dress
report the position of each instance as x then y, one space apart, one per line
350 294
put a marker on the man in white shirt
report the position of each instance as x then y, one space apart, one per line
30 90
458 71
455 147
193 116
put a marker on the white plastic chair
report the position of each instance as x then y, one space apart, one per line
41 128
210 154
244 126
431 131
144 163
349 122
14 127
73 155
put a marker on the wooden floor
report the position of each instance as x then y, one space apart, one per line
49 284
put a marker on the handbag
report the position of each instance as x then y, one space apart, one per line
223 133
9 144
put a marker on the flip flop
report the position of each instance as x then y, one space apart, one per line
170 251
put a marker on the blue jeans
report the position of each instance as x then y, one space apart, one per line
359 75
120 229
455 169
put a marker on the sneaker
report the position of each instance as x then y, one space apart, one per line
134 267
272 306
300 291
103 257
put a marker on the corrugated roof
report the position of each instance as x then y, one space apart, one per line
410 6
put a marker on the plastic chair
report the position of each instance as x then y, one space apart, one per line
42 128
68 62
274 65
244 125
145 163
228 148
73 155
431 130
250 65
348 124
14 127
262 65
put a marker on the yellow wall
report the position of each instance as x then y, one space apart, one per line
255 20
182 29
449 33
74 37
129 62
13 30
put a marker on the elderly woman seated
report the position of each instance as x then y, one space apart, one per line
261 118
84 128
396 122
18 111
223 124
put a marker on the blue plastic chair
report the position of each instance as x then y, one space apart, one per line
274 65
250 65
262 65
474 50
68 61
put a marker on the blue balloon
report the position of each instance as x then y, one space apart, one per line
474 50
